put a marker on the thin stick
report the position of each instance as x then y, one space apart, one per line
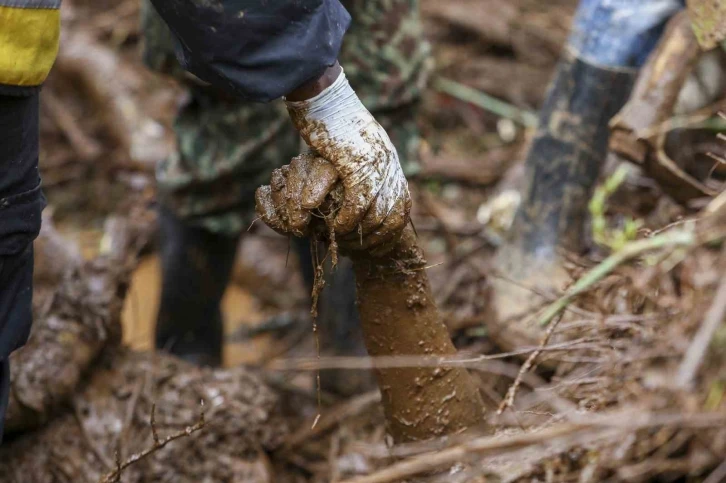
318 285
389 362
697 350
333 418
154 433
512 392
431 461
115 475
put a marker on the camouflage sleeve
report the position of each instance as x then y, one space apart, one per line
257 50
157 49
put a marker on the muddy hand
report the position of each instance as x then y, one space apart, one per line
298 195
337 126
295 191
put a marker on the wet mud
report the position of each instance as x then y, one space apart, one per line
400 317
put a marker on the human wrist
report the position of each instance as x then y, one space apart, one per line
336 119
314 87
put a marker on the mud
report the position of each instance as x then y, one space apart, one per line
111 412
399 317
398 313
340 129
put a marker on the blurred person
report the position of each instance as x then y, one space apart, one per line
29 32
609 41
228 146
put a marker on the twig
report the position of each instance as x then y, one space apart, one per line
429 461
115 475
152 423
485 101
682 238
403 362
697 350
512 392
348 409
388 362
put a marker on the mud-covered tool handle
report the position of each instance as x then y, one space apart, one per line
400 318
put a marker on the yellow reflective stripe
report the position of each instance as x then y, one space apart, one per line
28 44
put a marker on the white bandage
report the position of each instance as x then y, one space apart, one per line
337 125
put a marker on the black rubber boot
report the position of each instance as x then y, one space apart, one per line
338 321
562 167
196 267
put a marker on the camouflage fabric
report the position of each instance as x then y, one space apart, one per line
227 148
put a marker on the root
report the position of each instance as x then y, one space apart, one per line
318 286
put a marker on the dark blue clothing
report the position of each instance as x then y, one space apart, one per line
258 49
16 298
21 202
21 199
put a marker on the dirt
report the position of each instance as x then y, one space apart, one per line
398 313
607 405
400 318
112 413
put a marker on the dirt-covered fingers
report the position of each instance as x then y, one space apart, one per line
321 179
385 235
296 177
294 191
265 207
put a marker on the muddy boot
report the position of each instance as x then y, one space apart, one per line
196 266
562 167
339 323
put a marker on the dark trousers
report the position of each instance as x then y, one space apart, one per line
21 203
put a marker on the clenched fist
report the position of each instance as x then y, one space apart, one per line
338 128
300 195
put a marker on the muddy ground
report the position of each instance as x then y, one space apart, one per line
620 400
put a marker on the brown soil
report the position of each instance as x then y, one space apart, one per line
400 318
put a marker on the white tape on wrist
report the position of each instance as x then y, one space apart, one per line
335 117
339 127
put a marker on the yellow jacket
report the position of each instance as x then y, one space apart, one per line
29 34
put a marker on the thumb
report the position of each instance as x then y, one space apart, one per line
320 182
